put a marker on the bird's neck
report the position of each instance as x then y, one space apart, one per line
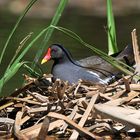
62 61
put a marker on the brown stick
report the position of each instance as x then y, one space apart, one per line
120 114
85 116
44 129
136 50
81 130
17 127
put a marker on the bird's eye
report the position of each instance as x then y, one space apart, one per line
54 50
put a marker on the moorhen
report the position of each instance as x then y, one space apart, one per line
93 69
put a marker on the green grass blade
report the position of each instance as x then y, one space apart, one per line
49 32
21 45
31 71
112 41
16 64
116 63
30 45
8 75
15 27
12 71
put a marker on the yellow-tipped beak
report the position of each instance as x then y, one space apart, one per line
44 61
47 56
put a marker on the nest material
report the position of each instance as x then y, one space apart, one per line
45 110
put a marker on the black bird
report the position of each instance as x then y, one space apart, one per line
93 69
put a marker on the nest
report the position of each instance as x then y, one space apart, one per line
44 110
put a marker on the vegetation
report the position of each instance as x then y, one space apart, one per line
111 31
17 62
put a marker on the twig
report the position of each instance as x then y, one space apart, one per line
85 115
24 100
71 116
119 114
44 129
136 50
17 127
81 130
75 91
38 97
127 85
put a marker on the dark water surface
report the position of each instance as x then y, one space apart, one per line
91 29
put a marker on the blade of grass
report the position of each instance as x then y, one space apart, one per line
21 45
112 41
17 60
15 65
30 45
116 63
8 75
49 32
31 71
15 27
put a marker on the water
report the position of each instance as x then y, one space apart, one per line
91 29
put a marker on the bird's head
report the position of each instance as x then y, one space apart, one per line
54 52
